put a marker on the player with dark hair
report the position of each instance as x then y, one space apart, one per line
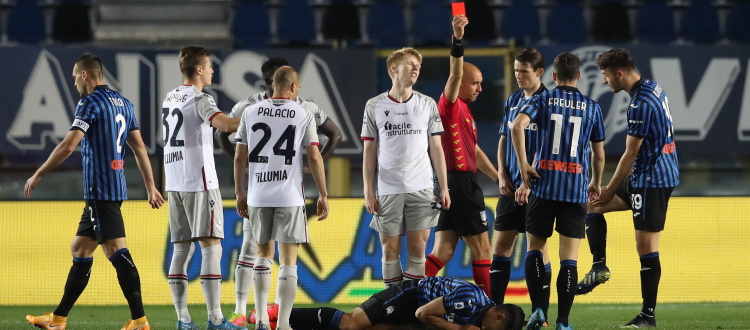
435 302
650 161
570 125
104 122
195 210
510 218
249 251
463 157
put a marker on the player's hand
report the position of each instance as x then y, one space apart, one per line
306 170
242 205
31 184
155 199
522 194
528 173
605 196
371 203
445 199
459 23
594 191
506 185
322 208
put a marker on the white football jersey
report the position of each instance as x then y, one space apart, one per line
188 140
239 108
402 131
275 131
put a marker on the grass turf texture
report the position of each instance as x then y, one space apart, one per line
583 316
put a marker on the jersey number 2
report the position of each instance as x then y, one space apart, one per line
287 137
174 142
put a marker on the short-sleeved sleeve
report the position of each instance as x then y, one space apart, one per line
435 125
462 303
639 119
239 109
504 117
133 122
241 136
206 107
531 106
444 107
597 133
311 131
85 115
369 127
320 116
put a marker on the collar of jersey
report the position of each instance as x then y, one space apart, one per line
568 88
636 86
101 87
541 89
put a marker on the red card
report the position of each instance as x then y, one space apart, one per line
458 9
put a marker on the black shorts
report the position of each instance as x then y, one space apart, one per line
467 213
509 215
568 219
101 220
395 305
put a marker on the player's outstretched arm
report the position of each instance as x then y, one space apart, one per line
222 138
240 167
632 146
456 59
332 132
597 162
369 164
438 164
59 155
518 136
432 314
135 142
319 175
224 123
504 182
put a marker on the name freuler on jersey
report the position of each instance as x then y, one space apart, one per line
271 176
283 113
400 129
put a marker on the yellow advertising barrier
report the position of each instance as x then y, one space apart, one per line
703 251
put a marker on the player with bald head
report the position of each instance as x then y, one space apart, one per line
277 128
463 157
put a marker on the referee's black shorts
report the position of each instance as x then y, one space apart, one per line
467 214
101 220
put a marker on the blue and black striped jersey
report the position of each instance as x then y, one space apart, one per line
567 120
105 117
512 105
649 118
465 302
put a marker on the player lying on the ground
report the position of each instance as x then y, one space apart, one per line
439 302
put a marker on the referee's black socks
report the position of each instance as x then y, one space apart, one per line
650 276
78 278
596 232
130 281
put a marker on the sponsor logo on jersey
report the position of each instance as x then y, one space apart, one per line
399 129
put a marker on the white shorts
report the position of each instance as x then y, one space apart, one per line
402 213
282 224
195 214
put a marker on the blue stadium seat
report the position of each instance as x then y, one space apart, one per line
386 24
432 22
566 24
520 22
26 23
738 24
250 25
296 23
700 23
655 23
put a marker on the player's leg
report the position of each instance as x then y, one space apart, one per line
571 225
291 230
479 245
244 273
510 219
443 249
540 220
649 215
596 234
471 224
389 222
183 249
420 215
262 225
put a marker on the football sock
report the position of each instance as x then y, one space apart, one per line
481 271
130 281
499 278
534 277
285 291
414 268
433 266
596 232
567 285
318 318
262 285
211 282
78 278
650 276
392 273
178 279
546 288
243 274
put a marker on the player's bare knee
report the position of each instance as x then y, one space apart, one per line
208 241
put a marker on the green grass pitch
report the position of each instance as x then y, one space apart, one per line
583 316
